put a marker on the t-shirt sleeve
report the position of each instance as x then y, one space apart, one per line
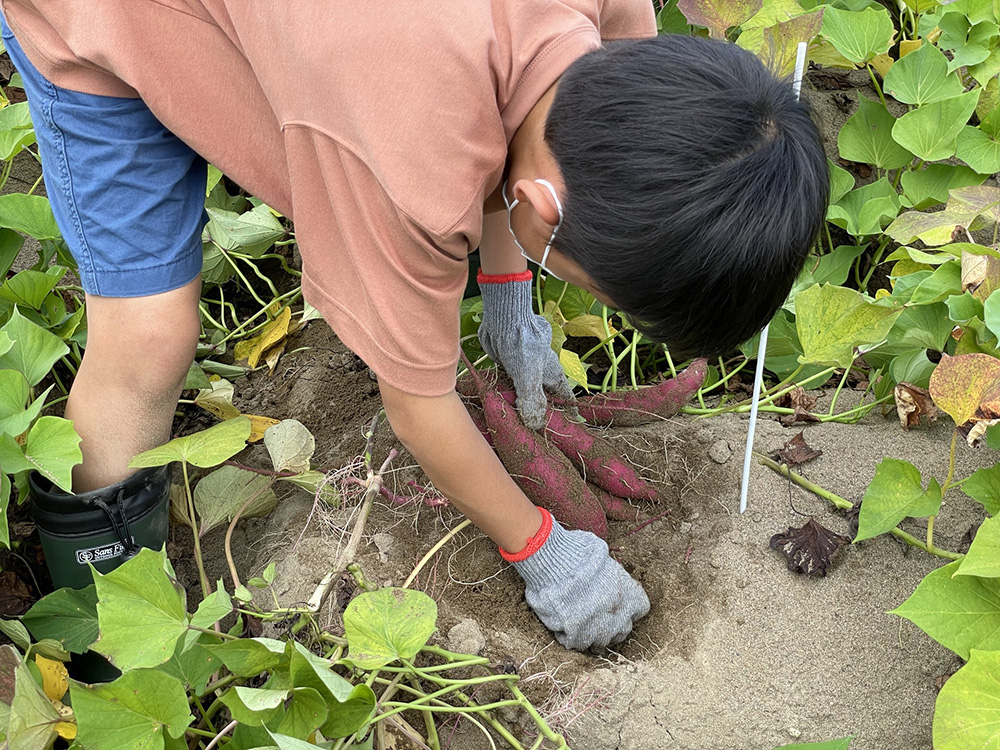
627 19
390 291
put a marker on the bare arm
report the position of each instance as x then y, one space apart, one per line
497 251
449 448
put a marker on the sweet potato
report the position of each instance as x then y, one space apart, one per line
646 405
544 474
593 456
615 508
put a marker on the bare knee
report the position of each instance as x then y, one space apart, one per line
149 342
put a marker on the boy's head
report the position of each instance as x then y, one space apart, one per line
695 185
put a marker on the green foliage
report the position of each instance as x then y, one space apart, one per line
373 646
959 612
895 493
968 706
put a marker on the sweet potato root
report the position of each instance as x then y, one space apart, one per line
615 508
544 474
649 404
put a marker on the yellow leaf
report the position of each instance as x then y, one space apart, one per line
243 348
258 425
880 293
909 45
882 63
587 325
573 367
273 333
551 308
55 679
66 730
274 354
218 400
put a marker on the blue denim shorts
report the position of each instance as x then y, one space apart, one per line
128 195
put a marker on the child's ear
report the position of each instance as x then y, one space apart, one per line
540 198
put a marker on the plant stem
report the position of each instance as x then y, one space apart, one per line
876 259
878 89
216 633
433 550
193 519
218 738
951 465
347 556
232 525
843 504
200 732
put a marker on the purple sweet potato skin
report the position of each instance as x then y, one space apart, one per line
593 456
615 508
544 474
596 458
646 405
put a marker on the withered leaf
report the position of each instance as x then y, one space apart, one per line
809 549
975 432
913 402
801 402
796 451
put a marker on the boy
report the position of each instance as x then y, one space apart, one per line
671 177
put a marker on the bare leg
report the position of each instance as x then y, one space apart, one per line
122 402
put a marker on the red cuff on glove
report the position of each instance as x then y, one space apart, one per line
502 278
534 544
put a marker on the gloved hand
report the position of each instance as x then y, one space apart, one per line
521 342
578 592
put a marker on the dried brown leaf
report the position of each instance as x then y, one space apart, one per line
796 451
809 549
913 402
801 402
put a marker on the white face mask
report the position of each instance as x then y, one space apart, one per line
548 247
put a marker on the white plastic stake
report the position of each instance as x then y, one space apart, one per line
800 66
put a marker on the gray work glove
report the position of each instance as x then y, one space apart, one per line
521 342
578 592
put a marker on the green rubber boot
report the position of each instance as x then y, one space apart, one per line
104 528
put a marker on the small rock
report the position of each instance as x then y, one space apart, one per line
685 527
741 583
757 516
466 638
694 516
384 542
740 620
656 525
704 435
720 452
794 733
715 564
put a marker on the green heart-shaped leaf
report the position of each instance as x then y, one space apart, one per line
967 712
832 321
895 493
983 557
984 487
866 137
66 615
141 710
931 132
203 449
141 610
389 624
959 612
922 77
858 36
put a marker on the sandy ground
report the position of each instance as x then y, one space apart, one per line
737 653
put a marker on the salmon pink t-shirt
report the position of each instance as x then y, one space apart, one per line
380 128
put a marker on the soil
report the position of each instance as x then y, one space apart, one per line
737 651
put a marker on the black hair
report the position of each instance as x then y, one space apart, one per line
696 184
